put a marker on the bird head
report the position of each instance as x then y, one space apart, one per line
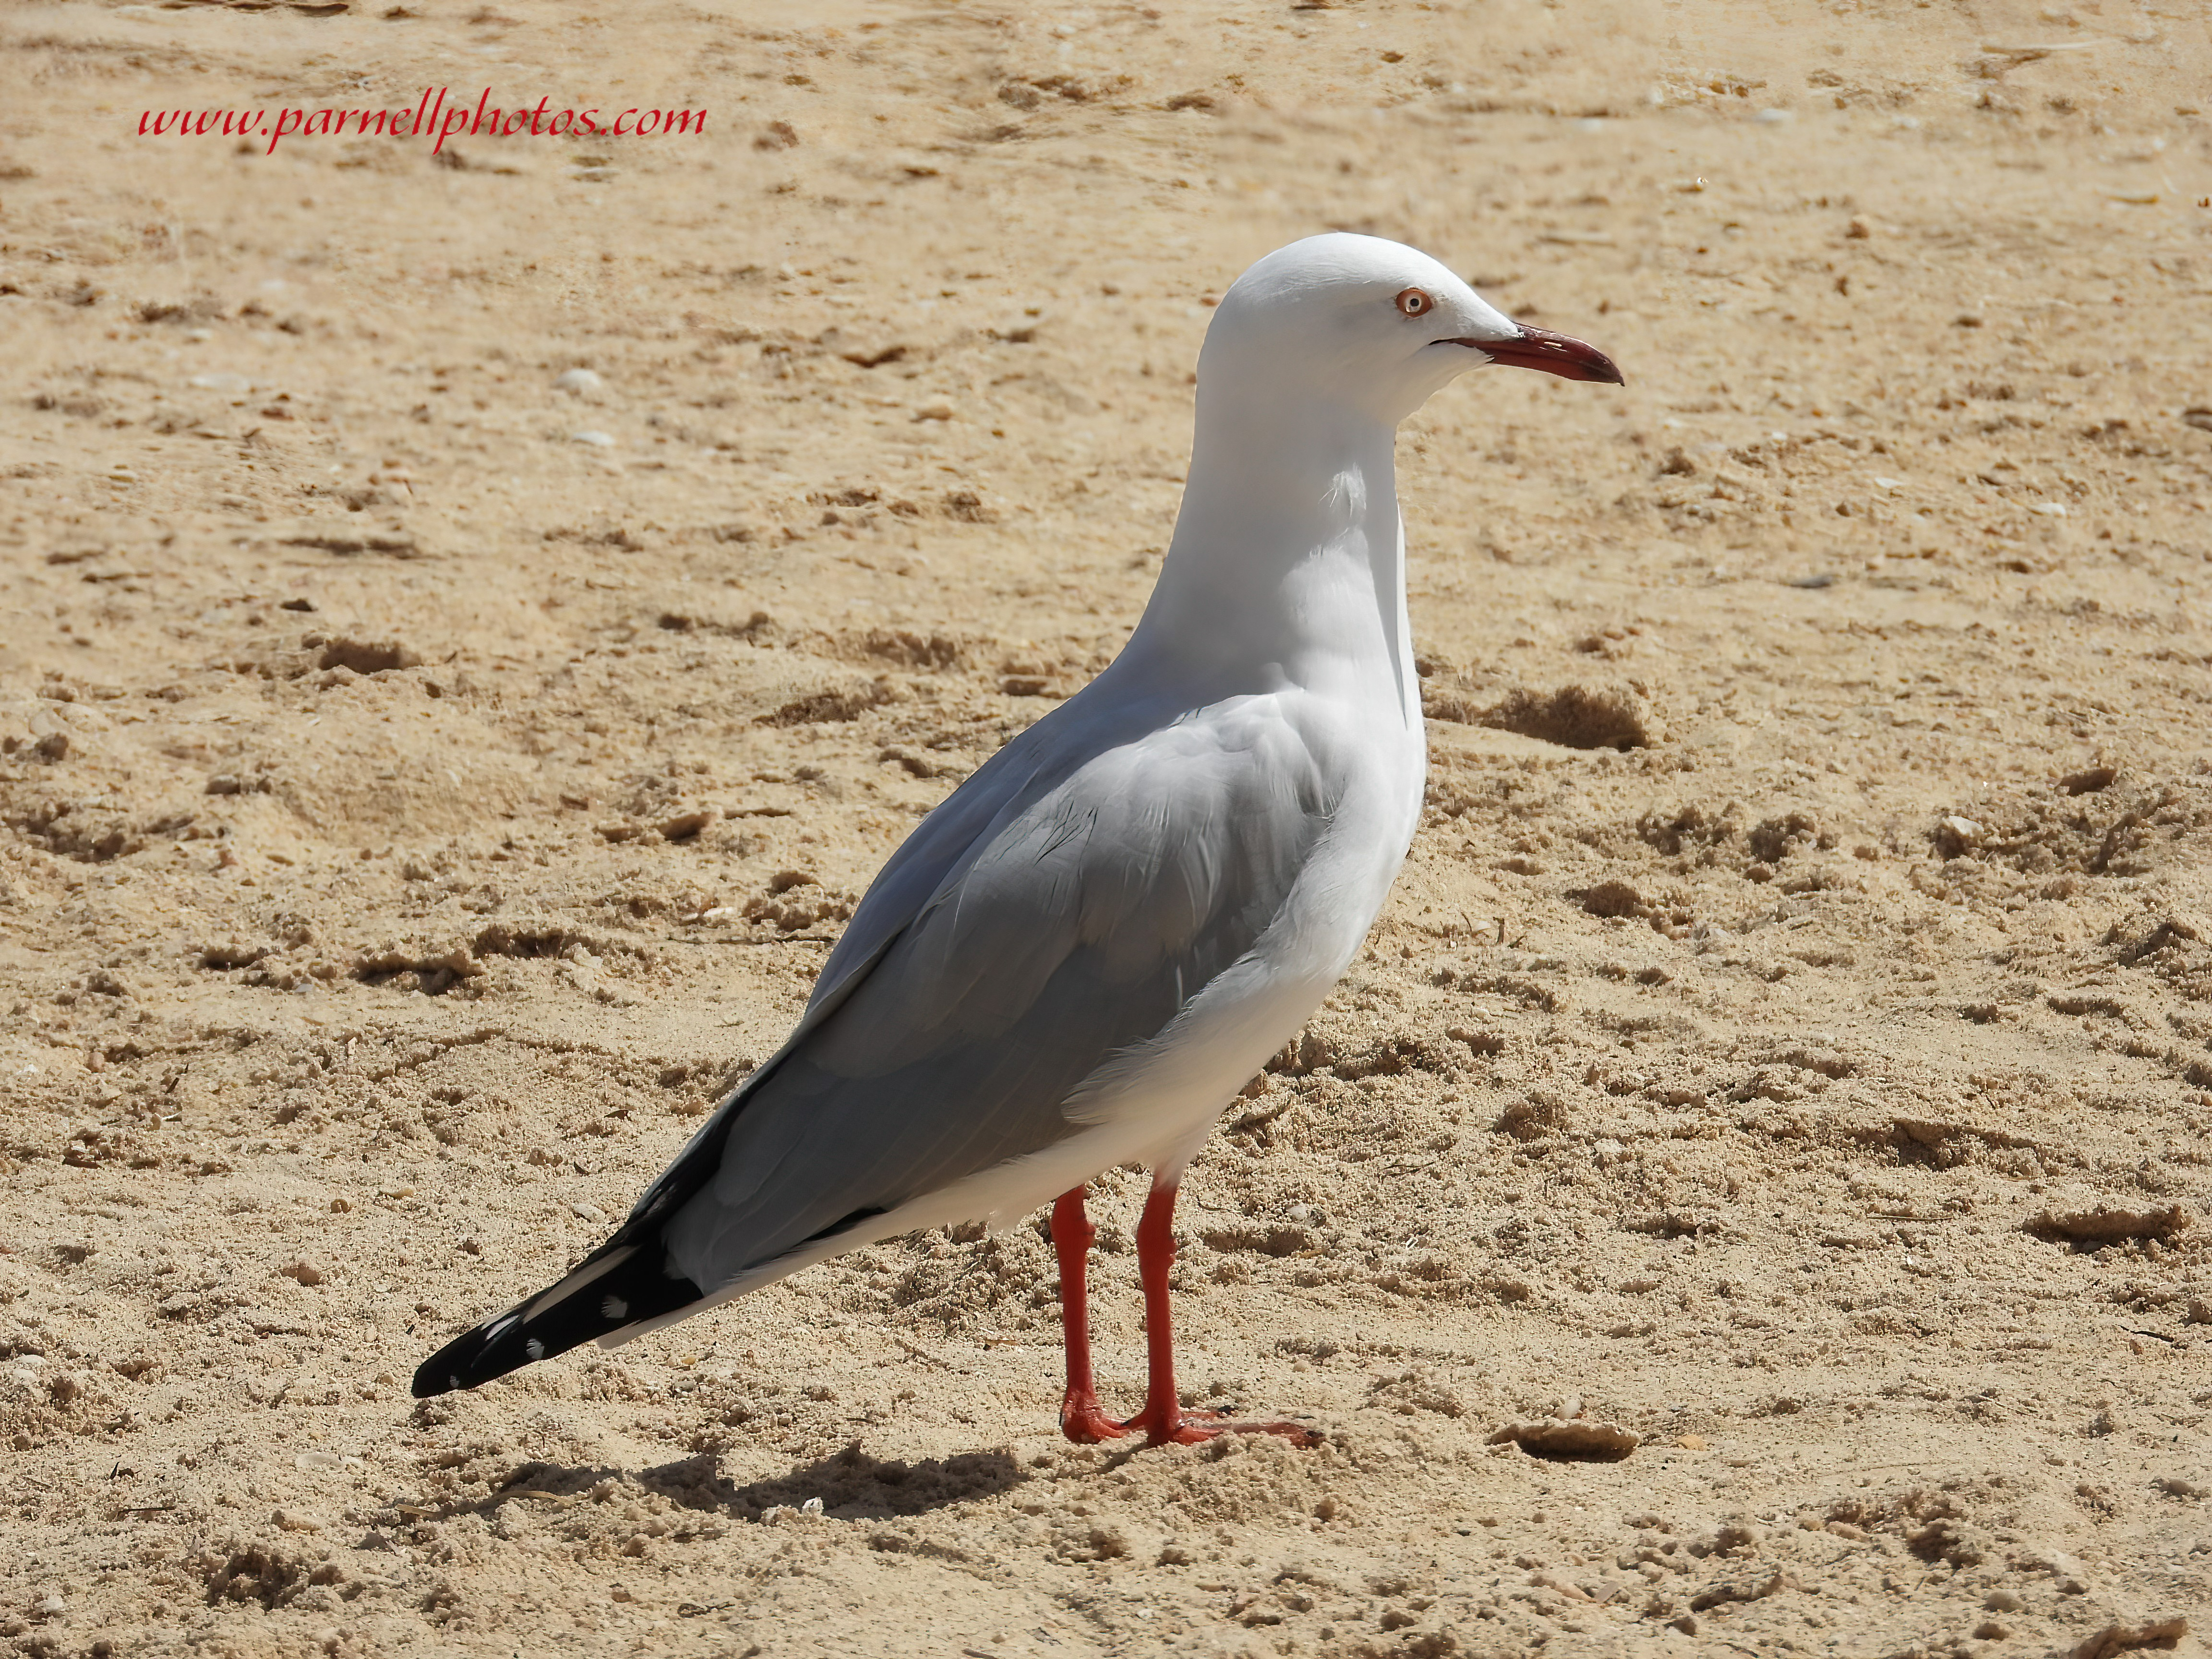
1373 323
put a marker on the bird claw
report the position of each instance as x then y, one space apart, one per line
1195 1428
1085 1422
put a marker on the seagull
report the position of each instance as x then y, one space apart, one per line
1080 957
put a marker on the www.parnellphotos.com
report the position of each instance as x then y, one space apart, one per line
433 117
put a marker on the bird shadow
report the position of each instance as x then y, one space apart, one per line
856 1486
850 1485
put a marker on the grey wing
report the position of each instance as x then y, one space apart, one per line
942 846
960 828
1079 923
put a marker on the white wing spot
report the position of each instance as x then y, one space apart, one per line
534 1348
614 1307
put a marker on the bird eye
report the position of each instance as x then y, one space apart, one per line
1415 303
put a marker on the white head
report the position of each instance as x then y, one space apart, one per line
1375 325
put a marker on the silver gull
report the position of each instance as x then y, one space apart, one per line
1079 958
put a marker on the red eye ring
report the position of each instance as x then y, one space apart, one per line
1415 303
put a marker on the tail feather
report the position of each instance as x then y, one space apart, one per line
624 1287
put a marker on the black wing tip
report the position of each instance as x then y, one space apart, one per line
468 1362
473 1359
630 1294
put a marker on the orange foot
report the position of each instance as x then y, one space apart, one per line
1185 1427
1082 1420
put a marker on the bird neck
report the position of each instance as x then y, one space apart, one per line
1288 559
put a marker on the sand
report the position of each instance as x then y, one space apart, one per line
474 625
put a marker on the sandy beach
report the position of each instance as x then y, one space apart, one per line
479 615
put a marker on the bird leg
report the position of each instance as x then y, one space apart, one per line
1081 1418
1164 1418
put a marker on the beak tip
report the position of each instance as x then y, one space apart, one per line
1561 355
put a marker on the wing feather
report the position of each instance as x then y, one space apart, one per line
982 980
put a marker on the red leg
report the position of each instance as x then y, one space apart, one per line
1081 1418
1163 1419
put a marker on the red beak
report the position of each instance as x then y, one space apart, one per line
1555 353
